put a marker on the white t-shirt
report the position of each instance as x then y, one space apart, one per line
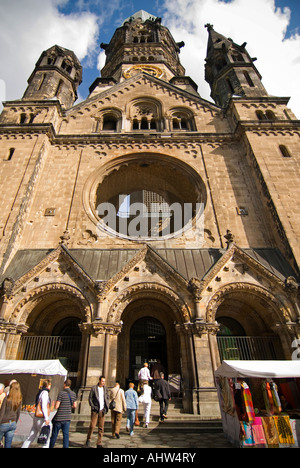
101 397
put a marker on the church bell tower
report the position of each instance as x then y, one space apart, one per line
57 75
229 70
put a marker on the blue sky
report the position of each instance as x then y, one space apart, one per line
271 29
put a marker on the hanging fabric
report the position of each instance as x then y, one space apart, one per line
270 431
284 430
247 434
249 408
275 396
227 395
268 397
258 433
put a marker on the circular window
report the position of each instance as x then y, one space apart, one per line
148 197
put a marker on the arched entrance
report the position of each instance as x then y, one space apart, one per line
148 333
147 344
52 318
246 317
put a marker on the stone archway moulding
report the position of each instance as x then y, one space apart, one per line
278 310
20 314
149 290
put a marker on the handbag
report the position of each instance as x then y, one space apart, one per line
112 404
44 434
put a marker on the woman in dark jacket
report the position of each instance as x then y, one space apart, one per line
10 413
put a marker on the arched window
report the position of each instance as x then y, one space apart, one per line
145 114
248 79
284 151
23 118
182 119
10 154
109 120
109 123
260 115
270 115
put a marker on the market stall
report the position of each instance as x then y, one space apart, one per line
30 374
260 402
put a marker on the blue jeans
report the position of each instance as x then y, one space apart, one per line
64 426
130 419
7 430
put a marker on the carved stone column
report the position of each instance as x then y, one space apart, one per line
110 352
100 287
195 288
10 335
7 288
200 337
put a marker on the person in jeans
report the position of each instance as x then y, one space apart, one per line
132 404
66 400
10 413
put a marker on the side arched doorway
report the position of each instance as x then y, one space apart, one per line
52 320
246 317
147 344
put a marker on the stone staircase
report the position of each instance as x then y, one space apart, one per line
177 420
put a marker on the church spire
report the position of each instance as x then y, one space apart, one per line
230 70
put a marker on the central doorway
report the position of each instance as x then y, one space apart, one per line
147 344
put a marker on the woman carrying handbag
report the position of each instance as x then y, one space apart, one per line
42 415
117 406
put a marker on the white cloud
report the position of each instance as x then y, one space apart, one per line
31 26
256 22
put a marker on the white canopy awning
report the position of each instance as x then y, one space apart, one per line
42 367
262 369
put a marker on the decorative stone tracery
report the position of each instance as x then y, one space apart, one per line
149 290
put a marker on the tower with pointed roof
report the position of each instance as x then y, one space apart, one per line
146 223
230 70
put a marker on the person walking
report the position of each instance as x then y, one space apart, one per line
66 401
132 404
162 388
144 373
99 403
42 414
117 399
10 413
145 399
156 369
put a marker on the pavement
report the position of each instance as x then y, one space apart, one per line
147 439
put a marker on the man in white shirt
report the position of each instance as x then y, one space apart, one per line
144 373
99 403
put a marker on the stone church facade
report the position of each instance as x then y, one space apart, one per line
206 270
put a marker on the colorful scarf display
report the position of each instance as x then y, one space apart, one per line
258 433
285 433
270 431
271 397
249 408
247 434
